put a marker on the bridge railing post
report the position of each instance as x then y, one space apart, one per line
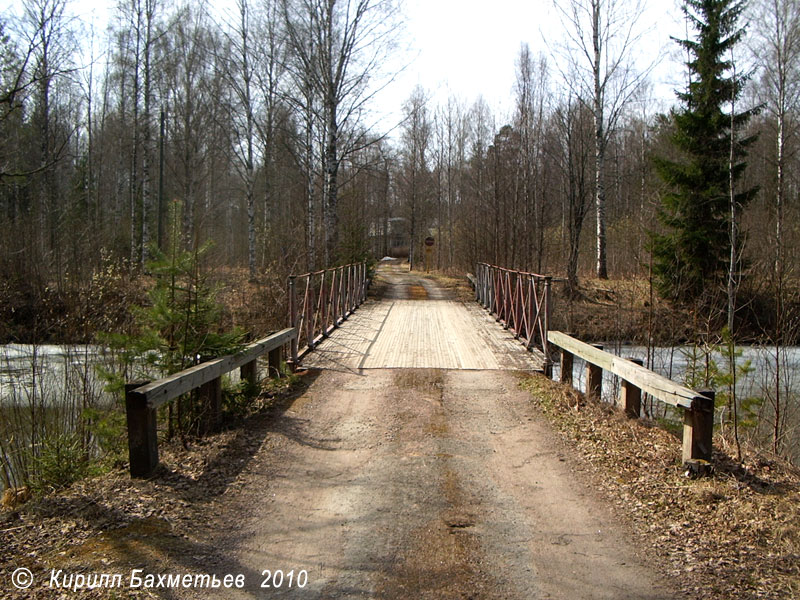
342 293
492 290
594 378
274 361
335 297
548 284
363 294
630 395
293 317
698 428
323 305
352 301
142 433
485 286
345 297
517 309
478 283
567 360
249 372
210 397
310 301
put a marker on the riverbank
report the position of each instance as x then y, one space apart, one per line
112 523
621 310
630 311
734 534
76 314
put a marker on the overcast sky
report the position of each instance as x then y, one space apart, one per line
468 48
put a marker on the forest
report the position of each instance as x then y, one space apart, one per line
180 125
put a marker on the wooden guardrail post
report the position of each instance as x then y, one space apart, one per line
630 395
249 372
566 366
594 378
275 363
142 433
143 399
698 428
210 398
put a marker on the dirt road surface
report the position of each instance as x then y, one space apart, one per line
422 483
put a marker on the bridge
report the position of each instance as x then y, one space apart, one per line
414 466
418 324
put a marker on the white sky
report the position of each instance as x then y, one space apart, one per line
468 48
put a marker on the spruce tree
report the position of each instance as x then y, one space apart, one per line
691 254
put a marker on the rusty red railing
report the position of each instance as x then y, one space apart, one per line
519 300
320 301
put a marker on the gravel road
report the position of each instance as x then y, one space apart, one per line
423 483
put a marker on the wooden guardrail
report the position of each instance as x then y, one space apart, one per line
698 407
328 298
143 399
519 300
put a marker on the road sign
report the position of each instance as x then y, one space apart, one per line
429 241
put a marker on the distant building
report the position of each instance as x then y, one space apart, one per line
394 241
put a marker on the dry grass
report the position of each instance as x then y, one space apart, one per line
619 309
735 534
458 285
258 307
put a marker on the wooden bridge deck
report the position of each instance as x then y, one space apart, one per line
417 324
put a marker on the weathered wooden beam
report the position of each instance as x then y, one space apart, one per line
162 391
630 395
142 433
654 384
698 428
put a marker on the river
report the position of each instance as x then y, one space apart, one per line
49 374
63 380
673 362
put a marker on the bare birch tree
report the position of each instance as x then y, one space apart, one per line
414 173
341 45
775 28
189 94
603 36
240 75
572 152
269 76
532 96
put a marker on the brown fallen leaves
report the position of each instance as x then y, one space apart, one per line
734 534
112 524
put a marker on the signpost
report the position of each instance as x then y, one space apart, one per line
429 242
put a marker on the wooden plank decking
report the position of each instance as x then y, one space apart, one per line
423 331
